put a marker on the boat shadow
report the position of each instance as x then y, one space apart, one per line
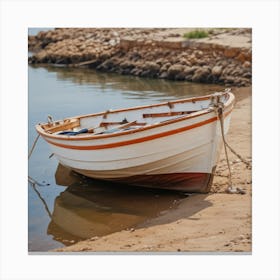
90 208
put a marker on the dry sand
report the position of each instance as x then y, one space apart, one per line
214 222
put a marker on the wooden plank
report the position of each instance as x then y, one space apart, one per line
115 129
167 114
105 124
63 126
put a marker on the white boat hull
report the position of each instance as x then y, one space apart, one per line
180 155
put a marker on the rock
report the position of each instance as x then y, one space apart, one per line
247 75
136 71
247 64
229 79
115 34
241 57
201 75
94 238
192 59
151 66
231 52
236 72
160 61
127 65
180 77
165 67
149 69
188 78
175 70
198 53
190 70
217 70
183 61
113 42
85 249
163 75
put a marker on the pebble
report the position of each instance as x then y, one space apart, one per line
94 238
85 249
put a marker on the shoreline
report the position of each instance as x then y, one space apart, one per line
224 57
213 222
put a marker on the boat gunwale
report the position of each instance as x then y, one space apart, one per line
137 140
227 104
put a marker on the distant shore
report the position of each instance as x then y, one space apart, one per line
214 222
223 57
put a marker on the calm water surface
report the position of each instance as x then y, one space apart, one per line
70 207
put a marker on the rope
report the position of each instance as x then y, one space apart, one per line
33 184
221 117
247 163
30 179
219 106
33 146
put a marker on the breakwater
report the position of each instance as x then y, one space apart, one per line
222 58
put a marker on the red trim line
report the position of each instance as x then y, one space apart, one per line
187 182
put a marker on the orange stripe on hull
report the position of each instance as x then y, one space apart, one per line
133 141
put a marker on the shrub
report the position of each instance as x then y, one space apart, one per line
196 34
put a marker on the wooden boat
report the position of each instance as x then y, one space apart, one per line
171 145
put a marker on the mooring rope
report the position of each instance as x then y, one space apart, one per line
33 146
246 162
221 118
30 179
219 106
33 184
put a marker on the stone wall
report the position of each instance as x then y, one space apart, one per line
145 54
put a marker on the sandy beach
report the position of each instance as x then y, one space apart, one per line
214 222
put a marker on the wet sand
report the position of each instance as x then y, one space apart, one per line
214 222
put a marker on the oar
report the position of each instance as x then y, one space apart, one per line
118 127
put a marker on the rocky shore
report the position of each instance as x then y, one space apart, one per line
223 57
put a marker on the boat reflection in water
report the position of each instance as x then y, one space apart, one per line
89 208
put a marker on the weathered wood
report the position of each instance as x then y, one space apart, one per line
63 126
114 129
102 124
166 114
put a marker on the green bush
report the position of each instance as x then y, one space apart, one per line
196 34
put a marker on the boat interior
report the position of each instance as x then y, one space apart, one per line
112 121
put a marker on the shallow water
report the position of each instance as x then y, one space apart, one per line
59 215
